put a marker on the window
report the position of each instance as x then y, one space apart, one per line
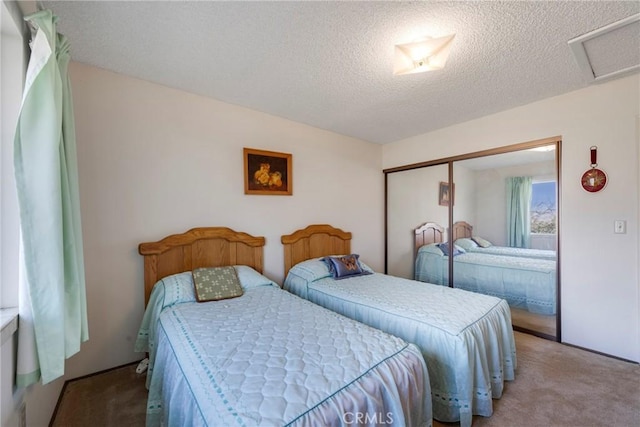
544 213
12 71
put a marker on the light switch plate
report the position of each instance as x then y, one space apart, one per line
620 226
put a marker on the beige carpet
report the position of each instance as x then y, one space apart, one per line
556 385
559 385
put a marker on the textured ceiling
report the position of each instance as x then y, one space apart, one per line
329 64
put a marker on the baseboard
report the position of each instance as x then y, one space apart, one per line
611 356
535 333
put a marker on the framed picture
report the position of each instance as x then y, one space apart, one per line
267 173
444 195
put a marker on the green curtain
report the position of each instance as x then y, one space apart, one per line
53 314
519 190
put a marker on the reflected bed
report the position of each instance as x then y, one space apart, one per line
527 283
463 237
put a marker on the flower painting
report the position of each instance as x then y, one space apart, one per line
267 172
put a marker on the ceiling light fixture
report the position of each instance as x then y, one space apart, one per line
423 55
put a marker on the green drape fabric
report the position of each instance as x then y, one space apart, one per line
519 191
53 312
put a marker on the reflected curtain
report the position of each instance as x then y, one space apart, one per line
519 190
53 316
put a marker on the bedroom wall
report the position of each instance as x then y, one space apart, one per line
599 269
155 161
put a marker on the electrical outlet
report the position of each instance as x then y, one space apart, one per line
620 226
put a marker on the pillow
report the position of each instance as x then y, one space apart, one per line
311 270
213 284
444 247
174 289
250 278
345 266
431 248
167 292
481 242
466 243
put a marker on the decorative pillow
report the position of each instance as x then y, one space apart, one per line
481 242
345 266
365 268
347 263
213 284
466 243
444 247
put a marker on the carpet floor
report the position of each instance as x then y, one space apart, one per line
555 385
117 398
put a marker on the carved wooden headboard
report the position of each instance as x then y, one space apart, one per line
428 233
312 242
199 247
462 229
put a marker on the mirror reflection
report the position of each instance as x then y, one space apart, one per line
504 230
412 198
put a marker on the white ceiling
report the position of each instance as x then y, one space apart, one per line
329 64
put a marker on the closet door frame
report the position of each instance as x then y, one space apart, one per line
449 161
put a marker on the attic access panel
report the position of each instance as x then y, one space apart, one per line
609 52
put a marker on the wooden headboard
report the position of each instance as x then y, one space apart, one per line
312 242
428 233
199 247
462 229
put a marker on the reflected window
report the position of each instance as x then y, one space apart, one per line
544 212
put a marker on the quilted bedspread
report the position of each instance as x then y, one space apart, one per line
517 252
269 358
527 283
466 339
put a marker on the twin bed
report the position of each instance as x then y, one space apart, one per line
271 358
466 339
525 278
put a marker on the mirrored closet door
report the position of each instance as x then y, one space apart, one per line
412 199
500 209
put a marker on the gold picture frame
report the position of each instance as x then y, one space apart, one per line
267 172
